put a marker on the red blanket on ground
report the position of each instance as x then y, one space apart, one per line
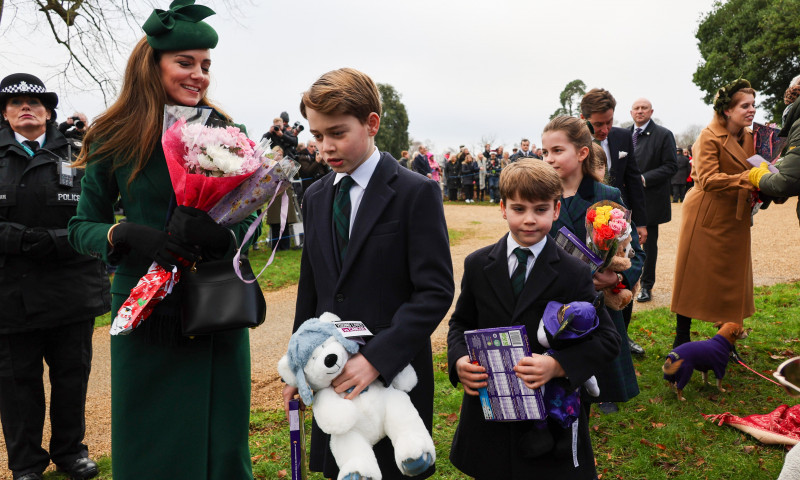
782 426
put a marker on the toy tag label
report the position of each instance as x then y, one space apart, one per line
353 329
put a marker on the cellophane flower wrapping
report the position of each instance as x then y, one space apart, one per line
212 166
607 223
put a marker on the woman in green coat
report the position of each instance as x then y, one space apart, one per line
179 406
785 183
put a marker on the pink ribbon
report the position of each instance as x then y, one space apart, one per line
252 229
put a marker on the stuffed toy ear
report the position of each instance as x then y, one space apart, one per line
298 380
306 395
285 371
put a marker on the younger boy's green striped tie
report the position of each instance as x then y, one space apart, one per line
341 214
518 277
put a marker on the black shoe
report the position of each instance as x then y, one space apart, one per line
636 349
30 476
607 407
644 296
81 469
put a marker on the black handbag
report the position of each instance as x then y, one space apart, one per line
214 299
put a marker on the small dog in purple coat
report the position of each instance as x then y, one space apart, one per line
711 354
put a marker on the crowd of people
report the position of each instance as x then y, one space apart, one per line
464 177
181 404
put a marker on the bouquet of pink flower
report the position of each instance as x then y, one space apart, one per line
607 223
609 234
213 167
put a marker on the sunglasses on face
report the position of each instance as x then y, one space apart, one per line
788 374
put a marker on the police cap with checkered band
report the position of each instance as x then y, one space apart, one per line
26 85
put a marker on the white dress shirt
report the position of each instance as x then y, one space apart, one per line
21 139
536 250
361 177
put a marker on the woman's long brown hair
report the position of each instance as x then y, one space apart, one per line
128 131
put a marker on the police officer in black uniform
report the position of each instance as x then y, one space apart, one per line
49 294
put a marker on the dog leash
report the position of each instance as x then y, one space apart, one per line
738 359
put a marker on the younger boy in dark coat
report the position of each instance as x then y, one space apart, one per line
387 265
530 192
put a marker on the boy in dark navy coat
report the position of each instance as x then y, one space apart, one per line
376 250
530 192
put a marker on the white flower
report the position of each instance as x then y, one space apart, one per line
223 160
622 154
206 162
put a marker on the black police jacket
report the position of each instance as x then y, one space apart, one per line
63 286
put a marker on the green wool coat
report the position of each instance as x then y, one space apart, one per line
617 380
177 411
786 183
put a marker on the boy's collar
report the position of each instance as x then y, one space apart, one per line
536 248
363 173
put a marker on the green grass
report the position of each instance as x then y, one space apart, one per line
654 436
103 320
455 236
284 270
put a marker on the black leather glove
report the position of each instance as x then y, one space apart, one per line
191 226
151 243
11 238
37 242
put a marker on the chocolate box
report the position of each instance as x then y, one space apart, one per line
506 398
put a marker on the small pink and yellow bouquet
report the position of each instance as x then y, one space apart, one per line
608 234
213 167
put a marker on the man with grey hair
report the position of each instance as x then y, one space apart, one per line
655 152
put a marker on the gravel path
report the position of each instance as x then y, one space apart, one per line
481 226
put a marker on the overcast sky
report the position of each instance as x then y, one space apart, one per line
465 69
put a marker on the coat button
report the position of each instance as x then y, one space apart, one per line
339 297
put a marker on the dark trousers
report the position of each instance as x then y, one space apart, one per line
68 352
650 248
481 194
678 192
468 192
683 330
627 313
452 194
284 242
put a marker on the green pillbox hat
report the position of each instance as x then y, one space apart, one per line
181 27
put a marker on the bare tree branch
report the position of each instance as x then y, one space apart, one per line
95 35
66 14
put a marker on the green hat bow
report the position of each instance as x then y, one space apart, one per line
181 27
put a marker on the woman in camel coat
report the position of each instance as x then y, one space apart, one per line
714 272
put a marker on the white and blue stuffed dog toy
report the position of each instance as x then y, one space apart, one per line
317 354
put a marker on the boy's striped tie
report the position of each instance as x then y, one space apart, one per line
518 277
341 214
